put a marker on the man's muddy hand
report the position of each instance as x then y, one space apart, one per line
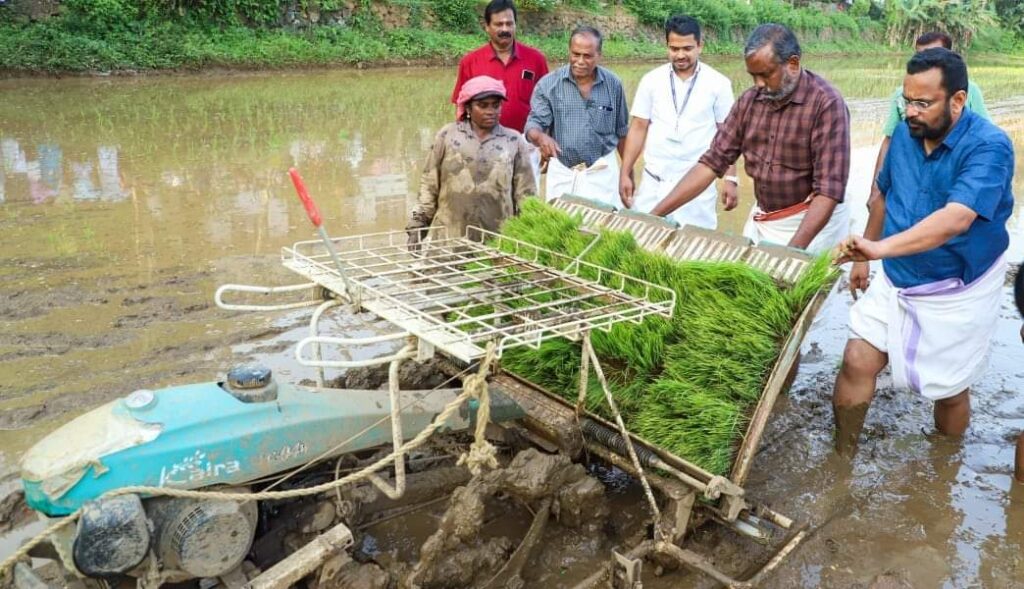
626 188
859 279
414 235
730 196
857 249
548 147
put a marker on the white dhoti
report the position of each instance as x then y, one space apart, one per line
599 182
937 335
535 164
780 226
699 211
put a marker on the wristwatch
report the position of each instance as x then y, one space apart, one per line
734 179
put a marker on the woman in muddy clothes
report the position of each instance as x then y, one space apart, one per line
1018 297
477 172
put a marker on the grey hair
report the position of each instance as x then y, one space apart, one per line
588 30
783 42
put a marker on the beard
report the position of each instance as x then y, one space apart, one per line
922 130
789 82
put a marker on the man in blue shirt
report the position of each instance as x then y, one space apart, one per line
940 230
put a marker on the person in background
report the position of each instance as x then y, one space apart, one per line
477 171
793 131
518 66
939 227
897 112
676 112
578 119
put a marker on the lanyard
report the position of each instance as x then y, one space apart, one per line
689 91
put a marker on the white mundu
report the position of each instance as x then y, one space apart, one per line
779 227
937 335
680 131
599 181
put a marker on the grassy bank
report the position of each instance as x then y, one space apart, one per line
146 35
54 48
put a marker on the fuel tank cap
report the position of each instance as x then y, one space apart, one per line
251 383
140 400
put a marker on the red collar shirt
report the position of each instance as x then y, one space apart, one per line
525 67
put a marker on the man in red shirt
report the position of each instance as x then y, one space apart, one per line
518 66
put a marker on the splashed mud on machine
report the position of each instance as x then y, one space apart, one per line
257 483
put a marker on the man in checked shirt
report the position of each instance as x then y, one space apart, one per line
793 131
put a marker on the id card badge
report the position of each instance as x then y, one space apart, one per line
676 136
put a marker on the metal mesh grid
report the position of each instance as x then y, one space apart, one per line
459 294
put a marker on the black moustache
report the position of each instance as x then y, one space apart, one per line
504 34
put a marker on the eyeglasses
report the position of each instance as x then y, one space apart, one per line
917 104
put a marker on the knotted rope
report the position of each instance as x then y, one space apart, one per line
481 453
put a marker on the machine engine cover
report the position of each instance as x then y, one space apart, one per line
113 536
204 538
202 435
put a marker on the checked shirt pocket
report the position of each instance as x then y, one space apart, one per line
602 117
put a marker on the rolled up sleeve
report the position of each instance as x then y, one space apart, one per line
541 114
621 115
524 183
830 150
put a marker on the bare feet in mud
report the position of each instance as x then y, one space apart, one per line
849 423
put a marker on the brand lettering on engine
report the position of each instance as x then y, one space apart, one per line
196 469
285 453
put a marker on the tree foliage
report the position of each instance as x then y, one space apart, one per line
961 19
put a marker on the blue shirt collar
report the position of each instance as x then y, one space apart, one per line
959 129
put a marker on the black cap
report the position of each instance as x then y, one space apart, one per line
249 376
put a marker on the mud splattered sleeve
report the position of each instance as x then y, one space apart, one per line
430 184
524 183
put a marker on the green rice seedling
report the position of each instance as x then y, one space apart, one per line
821 272
555 365
547 227
692 423
639 345
685 384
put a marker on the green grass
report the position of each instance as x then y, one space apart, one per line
687 384
57 46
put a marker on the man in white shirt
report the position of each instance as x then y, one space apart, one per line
675 116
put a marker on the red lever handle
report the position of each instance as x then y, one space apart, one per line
307 201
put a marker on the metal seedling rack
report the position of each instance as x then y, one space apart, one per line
459 294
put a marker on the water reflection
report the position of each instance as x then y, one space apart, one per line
191 145
44 174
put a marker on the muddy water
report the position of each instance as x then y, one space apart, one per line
125 202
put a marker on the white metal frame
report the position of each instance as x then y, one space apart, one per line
460 294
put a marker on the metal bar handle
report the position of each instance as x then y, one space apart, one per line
218 297
345 341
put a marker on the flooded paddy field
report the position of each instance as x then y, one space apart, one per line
124 203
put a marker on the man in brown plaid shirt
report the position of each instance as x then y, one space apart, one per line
793 130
